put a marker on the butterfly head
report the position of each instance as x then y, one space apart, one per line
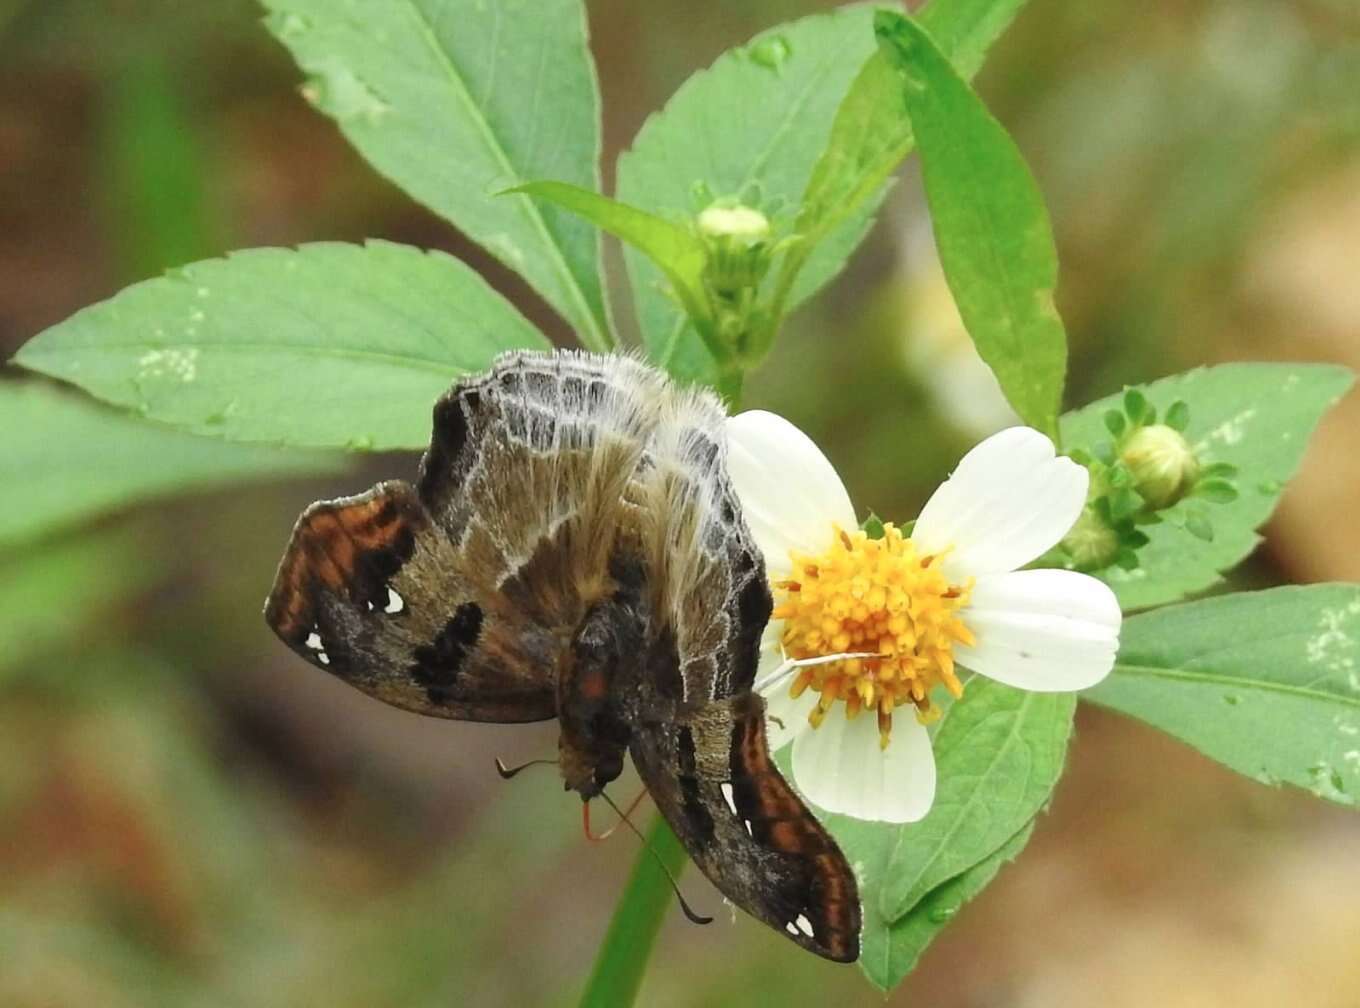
588 769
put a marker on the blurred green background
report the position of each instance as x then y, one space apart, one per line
191 816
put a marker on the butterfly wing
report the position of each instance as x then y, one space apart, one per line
699 742
370 590
453 597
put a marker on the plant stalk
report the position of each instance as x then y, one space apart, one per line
622 959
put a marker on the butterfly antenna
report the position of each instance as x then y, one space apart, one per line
508 772
694 918
585 818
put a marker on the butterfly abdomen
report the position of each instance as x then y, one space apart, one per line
594 684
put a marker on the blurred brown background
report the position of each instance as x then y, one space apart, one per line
190 816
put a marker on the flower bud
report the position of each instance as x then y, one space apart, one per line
738 241
736 223
1091 543
1162 462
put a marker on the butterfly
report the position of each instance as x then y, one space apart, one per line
573 548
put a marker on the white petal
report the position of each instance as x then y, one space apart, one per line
841 768
1042 630
1009 501
785 717
790 494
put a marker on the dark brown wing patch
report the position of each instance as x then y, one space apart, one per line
369 591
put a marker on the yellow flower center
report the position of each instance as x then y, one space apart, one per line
878 596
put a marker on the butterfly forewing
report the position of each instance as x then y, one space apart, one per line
369 590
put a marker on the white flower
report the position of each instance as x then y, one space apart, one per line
950 592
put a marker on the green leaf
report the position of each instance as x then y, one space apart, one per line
1135 405
1216 491
1124 503
752 126
998 754
677 251
1267 683
65 459
991 226
890 950
1256 417
329 345
966 29
454 100
1197 523
871 135
1178 415
873 526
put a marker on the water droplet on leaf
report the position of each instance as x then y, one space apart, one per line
940 914
290 25
1327 782
700 194
770 52
339 93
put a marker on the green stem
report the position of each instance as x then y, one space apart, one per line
622 960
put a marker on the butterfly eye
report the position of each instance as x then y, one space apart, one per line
608 768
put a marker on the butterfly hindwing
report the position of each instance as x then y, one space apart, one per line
747 830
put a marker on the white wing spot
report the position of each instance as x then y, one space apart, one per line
749 831
804 925
314 641
727 794
791 929
323 658
395 603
